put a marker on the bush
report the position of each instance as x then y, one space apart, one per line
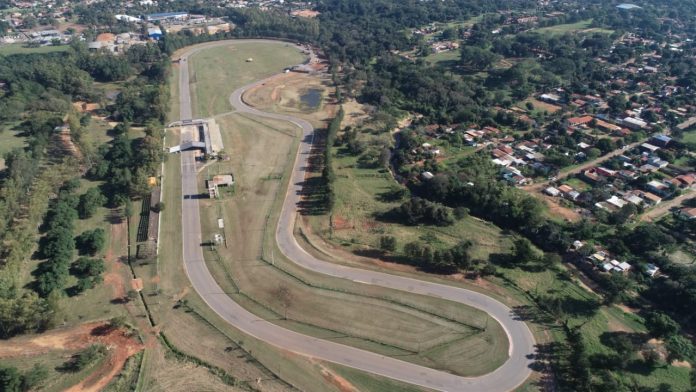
387 243
661 325
84 358
159 207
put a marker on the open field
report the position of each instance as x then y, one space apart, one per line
10 49
359 195
539 106
688 137
9 140
445 59
582 26
683 257
227 66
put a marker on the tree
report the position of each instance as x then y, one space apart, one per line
617 103
91 241
680 348
117 322
84 358
90 201
661 325
475 59
285 297
86 267
387 243
522 251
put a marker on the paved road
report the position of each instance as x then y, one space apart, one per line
507 377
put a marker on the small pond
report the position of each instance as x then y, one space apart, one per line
311 98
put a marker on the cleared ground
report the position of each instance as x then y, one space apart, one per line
9 140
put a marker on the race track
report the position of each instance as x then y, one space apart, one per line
507 377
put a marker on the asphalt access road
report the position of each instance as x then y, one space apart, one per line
507 377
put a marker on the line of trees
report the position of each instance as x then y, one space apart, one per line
327 174
444 261
58 244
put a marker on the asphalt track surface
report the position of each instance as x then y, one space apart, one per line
521 342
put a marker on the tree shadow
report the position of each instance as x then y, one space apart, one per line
314 194
532 314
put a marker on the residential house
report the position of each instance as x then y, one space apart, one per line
687 213
551 191
661 140
659 188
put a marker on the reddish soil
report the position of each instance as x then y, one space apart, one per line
340 223
114 276
341 383
120 348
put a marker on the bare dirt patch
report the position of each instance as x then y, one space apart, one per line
114 276
558 210
120 347
341 383
682 364
340 223
119 344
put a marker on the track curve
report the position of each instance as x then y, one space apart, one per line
521 341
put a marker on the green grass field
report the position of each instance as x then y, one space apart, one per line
578 184
444 59
216 72
577 27
9 140
688 137
358 198
10 49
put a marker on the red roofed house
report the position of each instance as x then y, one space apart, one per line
579 120
685 180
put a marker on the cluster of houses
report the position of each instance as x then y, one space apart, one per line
601 262
623 181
